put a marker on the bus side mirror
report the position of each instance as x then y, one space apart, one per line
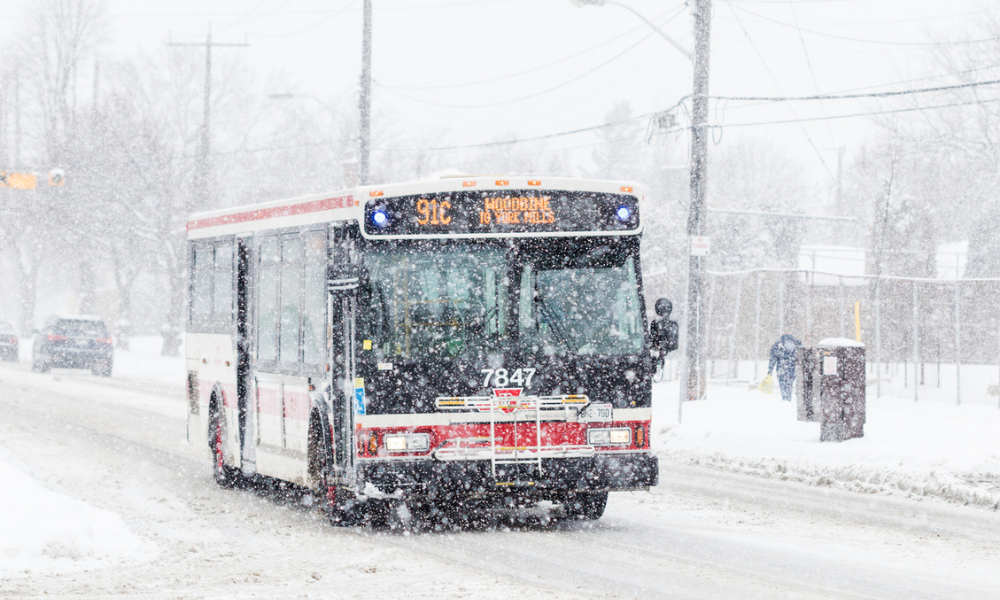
664 332
343 279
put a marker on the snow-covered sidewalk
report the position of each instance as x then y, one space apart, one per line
41 528
925 448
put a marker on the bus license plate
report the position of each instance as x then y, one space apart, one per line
596 413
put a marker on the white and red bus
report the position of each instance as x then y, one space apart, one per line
447 345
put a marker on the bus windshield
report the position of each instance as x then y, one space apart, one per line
433 302
583 305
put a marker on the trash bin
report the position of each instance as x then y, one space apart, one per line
832 387
807 363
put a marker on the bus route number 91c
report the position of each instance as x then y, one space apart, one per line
433 212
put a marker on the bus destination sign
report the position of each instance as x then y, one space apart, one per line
484 212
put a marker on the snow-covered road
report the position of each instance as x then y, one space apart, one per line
118 445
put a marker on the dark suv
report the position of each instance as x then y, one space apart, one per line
8 342
74 342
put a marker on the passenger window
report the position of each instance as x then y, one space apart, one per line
201 292
267 301
314 308
223 302
291 295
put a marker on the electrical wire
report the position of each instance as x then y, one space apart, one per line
778 85
522 98
347 7
861 114
676 12
939 88
244 17
543 137
812 72
865 41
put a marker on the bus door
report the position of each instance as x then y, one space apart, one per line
347 395
342 398
243 384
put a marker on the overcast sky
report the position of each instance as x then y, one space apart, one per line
483 69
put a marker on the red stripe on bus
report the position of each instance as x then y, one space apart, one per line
297 406
271 213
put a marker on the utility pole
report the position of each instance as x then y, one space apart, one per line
17 114
366 94
204 154
97 83
695 378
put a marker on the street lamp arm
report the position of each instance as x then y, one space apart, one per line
656 28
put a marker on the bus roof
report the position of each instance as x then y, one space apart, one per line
349 204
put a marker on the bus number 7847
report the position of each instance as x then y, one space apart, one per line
503 378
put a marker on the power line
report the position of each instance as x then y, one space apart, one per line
778 85
812 72
542 137
676 12
347 7
862 114
939 88
865 41
522 98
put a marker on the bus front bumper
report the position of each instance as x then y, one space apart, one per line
602 472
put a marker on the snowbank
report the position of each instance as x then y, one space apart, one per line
925 448
40 528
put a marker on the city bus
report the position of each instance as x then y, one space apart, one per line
435 347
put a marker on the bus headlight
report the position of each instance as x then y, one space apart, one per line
407 442
609 437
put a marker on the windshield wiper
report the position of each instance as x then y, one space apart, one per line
550 319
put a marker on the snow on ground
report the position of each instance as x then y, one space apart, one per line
45 530
928 447
41 529
143 361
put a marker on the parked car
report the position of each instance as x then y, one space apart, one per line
8 342
73 342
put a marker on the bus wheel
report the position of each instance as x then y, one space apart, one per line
338 504
586 506
225 475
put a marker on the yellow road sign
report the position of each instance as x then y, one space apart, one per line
18 181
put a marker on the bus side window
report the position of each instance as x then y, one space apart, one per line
201 282
314 307
267 302
291 298
222 303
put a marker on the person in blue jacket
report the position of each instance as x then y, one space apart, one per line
783 357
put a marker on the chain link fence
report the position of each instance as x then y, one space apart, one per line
920 333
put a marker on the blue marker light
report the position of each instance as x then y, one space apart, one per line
623 213
380 218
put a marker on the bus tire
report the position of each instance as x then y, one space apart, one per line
225 475
338 504
585 506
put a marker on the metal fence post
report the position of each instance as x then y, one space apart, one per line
809 289
840 306
878 341
781 304
916 344
734 368
958 343
706 343
756 331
